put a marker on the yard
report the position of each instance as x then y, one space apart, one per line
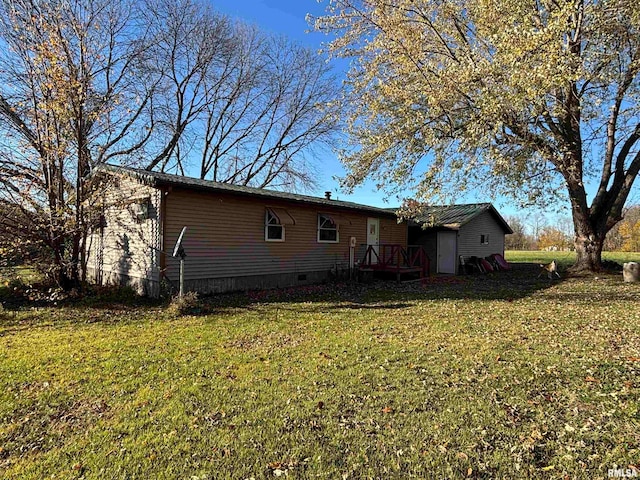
497 376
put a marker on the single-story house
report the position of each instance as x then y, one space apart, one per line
236 237
450 232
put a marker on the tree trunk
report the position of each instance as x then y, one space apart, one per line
589 253
588 241
590 227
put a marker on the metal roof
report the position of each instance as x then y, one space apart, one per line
158 179
455 216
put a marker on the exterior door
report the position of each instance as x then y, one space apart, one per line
447 252
373 237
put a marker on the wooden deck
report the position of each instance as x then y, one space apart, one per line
396 259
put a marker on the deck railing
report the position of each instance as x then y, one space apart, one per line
395 258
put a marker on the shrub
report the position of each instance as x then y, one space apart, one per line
98 295
186 304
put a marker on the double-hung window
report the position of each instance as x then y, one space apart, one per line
327 229
273 229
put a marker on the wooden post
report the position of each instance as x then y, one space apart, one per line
178 251
181 277
352 256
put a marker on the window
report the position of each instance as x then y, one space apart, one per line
327 229
273 229
484 239
142 209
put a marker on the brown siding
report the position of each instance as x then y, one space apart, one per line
393 233
225 236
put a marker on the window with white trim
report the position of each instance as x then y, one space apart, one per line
484 239
327 229
273 229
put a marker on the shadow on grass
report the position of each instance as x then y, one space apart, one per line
15 297
608 287
519 282
25 307
116 304
587 298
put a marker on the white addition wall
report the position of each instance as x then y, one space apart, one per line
126 250
469 237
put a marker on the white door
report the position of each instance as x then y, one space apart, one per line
447 252
373 237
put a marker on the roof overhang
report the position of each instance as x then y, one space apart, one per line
173 182
429 220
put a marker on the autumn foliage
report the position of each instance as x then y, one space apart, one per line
530 99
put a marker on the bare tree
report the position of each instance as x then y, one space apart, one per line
67 102
189 42
519 239
252 110
538 222
156 83
565 225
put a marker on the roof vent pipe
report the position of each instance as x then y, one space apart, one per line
327 195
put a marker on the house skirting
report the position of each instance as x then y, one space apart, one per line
151 288
253 282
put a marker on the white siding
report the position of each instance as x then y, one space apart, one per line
126 250
469 237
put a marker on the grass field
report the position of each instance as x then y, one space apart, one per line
565 259
497 376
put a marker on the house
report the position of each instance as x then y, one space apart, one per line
236 237
450 232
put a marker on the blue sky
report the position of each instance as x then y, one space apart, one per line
278 16
287 17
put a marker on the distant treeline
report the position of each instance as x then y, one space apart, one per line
536 233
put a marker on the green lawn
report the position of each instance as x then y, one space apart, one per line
20 274
497 376
565 259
